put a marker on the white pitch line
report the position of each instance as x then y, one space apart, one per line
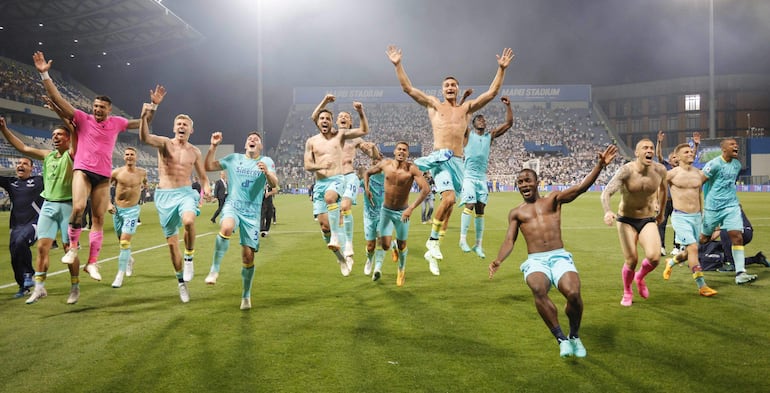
56 273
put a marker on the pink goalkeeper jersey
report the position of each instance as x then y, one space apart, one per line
96 141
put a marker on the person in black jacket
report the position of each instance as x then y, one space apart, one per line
220 192
24 191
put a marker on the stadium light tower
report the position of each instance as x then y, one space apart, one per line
712 99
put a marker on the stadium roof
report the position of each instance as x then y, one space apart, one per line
92 32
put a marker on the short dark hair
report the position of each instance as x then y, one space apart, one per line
327 111
452 78
534 174
31 163
62 126
103 98
402 143
255 133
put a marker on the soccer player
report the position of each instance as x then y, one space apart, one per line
449 122
247 176
685 182
57 204
352 182
721 204
643 198
548 263
96 135
175 199
323 156
128 181
475 193
372 207
396 210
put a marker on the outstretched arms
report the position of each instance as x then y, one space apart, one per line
210 163
156 97
503 60
394 54
29 151
503 128
603 159
68 111
144 128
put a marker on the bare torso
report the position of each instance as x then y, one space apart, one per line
398 183
685 182
327 153
349 154
639 190
128 185
176 163
449 125
540 223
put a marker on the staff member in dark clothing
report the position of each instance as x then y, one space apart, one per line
24 191
268 210
220 192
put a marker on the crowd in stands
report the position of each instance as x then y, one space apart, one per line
573 129
570 137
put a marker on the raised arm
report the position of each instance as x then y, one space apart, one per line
658 148
50 88
17 144
144 128
394 54
603 159
363 129
210 163
508 119
507 246
696 143
503 60
329 98
156 97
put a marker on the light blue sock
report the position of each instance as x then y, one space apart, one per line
123 257
379 255
479 229
221 246
739 258
247 274
465 223
402 258
347 220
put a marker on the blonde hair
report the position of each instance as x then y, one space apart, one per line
186 117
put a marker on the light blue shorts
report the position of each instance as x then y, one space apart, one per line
351 186
554 264
172 203
247 221
728 219
54 217
474 190
333 183
447 170
686 226
390 219
124 220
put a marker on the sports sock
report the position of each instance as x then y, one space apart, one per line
221 246
479 228
124 255
435 227
739 258
628 278
646 269
95 239
556 331
379 255
465 223
347 218
697 274
247 275
402 258
74 235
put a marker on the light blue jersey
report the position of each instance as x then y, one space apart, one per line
477 155
719 189
245 181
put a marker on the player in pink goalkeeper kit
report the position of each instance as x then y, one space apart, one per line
96 135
